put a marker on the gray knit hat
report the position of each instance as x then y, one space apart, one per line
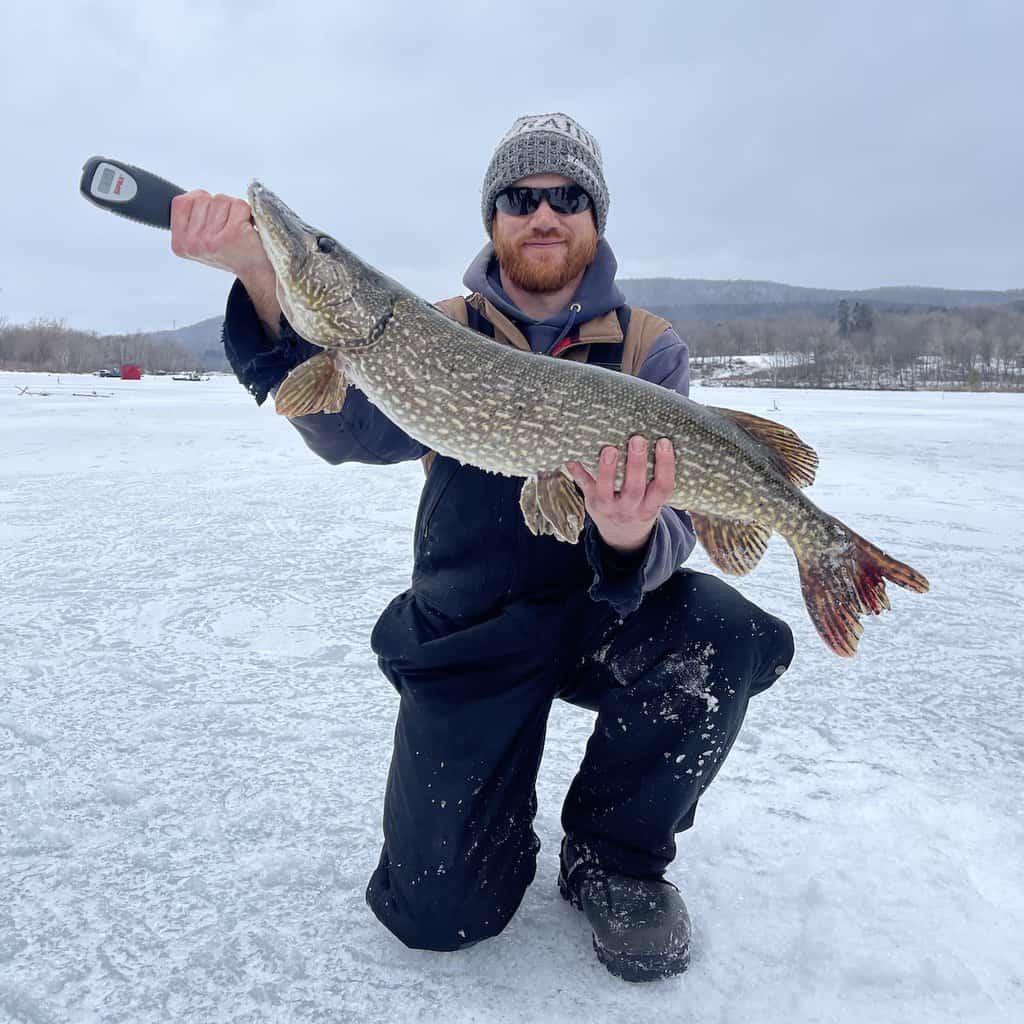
546 144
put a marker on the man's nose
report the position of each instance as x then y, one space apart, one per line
544 216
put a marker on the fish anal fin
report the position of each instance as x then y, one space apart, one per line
552 504
733 545
317 385
797 460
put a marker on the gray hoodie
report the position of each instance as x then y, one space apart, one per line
667 362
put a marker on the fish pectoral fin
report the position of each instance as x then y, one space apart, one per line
733 545
797 460
552 504
317 385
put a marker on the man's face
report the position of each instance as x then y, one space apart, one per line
544 251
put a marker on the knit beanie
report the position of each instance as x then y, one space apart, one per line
546 144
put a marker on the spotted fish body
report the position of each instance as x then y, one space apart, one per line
512 412
507 411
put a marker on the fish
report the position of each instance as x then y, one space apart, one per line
739 476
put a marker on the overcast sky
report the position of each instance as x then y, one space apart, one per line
822 143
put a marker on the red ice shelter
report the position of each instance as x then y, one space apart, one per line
129 371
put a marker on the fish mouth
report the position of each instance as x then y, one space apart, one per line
287 239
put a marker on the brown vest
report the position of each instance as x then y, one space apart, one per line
644 328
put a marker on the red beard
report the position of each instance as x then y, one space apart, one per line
553 272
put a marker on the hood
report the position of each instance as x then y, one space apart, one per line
597 294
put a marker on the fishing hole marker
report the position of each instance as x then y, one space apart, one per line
129 191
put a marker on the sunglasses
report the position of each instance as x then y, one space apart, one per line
521 202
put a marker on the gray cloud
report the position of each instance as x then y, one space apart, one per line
819 144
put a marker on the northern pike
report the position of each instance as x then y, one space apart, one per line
516 413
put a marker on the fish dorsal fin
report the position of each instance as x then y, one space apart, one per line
732 545
797 460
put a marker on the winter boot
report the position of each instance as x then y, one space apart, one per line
640 925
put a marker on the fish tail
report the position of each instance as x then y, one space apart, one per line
846 580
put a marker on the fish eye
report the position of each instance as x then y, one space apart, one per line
325 243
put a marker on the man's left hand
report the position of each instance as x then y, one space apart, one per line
625 518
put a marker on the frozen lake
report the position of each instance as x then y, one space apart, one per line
194 736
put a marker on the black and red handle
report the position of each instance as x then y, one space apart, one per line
129 191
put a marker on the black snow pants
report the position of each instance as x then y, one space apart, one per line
670 685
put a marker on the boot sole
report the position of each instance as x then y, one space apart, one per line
654 967
650 967
566 895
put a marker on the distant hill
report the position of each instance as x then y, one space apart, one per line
203 340
692 299
700 299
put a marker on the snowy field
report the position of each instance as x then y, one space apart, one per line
194 737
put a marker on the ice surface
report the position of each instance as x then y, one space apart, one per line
194 737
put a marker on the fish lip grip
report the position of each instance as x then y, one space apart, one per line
128 191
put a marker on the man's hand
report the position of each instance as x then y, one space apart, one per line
218 232
625 518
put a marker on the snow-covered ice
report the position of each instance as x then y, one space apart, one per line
194 737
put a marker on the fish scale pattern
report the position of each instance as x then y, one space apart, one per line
514 413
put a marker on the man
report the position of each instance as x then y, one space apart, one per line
497 623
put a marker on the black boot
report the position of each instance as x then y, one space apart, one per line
641 927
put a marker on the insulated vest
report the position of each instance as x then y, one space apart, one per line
633 331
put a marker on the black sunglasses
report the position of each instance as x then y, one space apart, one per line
521 202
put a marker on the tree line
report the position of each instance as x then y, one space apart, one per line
976 348
50 345
979 348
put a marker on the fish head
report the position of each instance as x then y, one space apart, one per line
329 296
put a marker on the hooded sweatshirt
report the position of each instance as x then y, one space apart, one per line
667 362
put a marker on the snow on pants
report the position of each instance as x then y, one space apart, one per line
670 685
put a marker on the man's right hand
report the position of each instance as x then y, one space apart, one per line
218 231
